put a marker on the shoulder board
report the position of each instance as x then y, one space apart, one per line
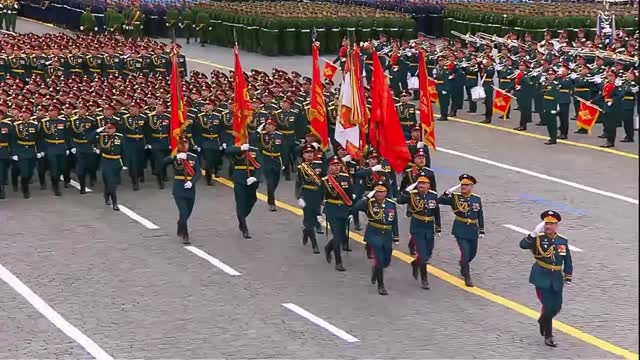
126 115
6 121
372 199
317 162
391 201
457 193
225 111
409 170
277 111
190 153
43 120
343 174
117 134
413 191
562 237
433 192
541 234
74 117
100 117
18 122
277 132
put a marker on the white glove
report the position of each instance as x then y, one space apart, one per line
251 180
350 218
100 129
346 158
188 185
635 89
597 80
38 155
481 236
537 229
244 147
181 156
224 145
444 93
554 112
73 150
261 127
573 75
541 81
302 203
81 28
319 218
451 76
411 187
66 152
370 195
420 145
618 82
220 148
15 157
95 28
376 168
97 151
609 103
316 145
353 196
196 148
438 234
148 147
452 189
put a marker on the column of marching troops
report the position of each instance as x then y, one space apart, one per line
544 77
90 110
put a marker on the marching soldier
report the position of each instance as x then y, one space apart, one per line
270 145
5 150
245 180
609 99
202 26
350 167
441 76
550 105
487 73
24 148
133 128
309 194
109 145
407 114
629 93
425 223
287 124
552 269
565 87
582 89
382 230
55 139
158 140
88 22
338 197
186 169
208 130
415 143
186 23
81 126
468 225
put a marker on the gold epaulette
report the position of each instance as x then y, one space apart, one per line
202 113
433 192
414 191
317 162
152 113
345 174
389 200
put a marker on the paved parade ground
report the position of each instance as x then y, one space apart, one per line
83 281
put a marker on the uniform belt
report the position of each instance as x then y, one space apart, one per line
564 90
287 132
179 177
628 98
111 157
17 70
368 61
80 141
76 70
549 97
380 226
26 143
406 122
439 82
243 167
4 144
608 99
159 69
159 135
210 136
310 187
335 201
422 217
53 141
505 80
38 71
270 154
135 136
488 80
581 89
112 70
467 221
471 77
229 131
95 70
549 266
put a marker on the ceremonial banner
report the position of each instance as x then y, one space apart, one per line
433 93
242 111
501 102
587 115
352 111
330 69
391 142
317 113
427 122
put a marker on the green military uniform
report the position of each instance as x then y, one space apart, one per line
186 23
157 135
287 120
202 26
186 173
407 114
88 22
338 198
74 65
441 76
133 129
11 15
456 85
95 65
270 147
628 93
135 23
524 89
309 195
382 230
468 224
246 172
116 22
38 64
209 128
565 89
609 99
172 21
550 93
553 268
24 146
5 151
19 66
81 127
582 88
110 148
398 70
55 137
112 64
505 82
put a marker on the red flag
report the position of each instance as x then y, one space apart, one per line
330 69
501 102
426 110
317 113
587 115
242 111
178 120
392 145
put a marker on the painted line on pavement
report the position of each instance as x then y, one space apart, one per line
542 176
215 262
485 294
51 315
526 232
76 185
204 62
553 204
542 137
318 321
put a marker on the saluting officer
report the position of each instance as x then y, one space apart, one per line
468 225
382 230
109 144
55 137
186 169
553 268
81 126
338 196
246 172
133 126
422 205
158 140
208 128
270 143
309 194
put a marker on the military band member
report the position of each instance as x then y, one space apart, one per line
407 114
81 126
158 140
582 89
338 199
565 87
55 138
487 72
208 126
382 230
609 100
422 205
441 76
550 91
25 148
468 225
309 194
133 128
109 144
629 93
524 90
552 269
246 172
270 145
186 170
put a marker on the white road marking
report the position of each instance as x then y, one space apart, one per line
130 213
55 318
215 262
526 232
542 176
76 185
318 321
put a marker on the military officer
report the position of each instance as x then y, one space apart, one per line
423 208
309 194
270 143
415 143
186 23
5 150
468 225
202 26
441 76
81 126
629 94
88 22
565 88
524 90
382 230
407 114
186 169
286 119
582 89
56 140
350 167
109 144
158 140
246 172
487 73
338 198
552 269
25 148
133 128
550 90
208 126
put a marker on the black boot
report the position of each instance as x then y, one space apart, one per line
83 184
185 233
243 227
314 242
374 275
424 278
55 184
107 199
180 229
548 337
327 250
25 188
414 269
160 181
305 236
92 180
114 202
207 175
466 273
381 289
338 256
543 326
135 183
581 131
487 120
356 223
43 182
367 250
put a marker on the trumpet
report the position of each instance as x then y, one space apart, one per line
535 72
